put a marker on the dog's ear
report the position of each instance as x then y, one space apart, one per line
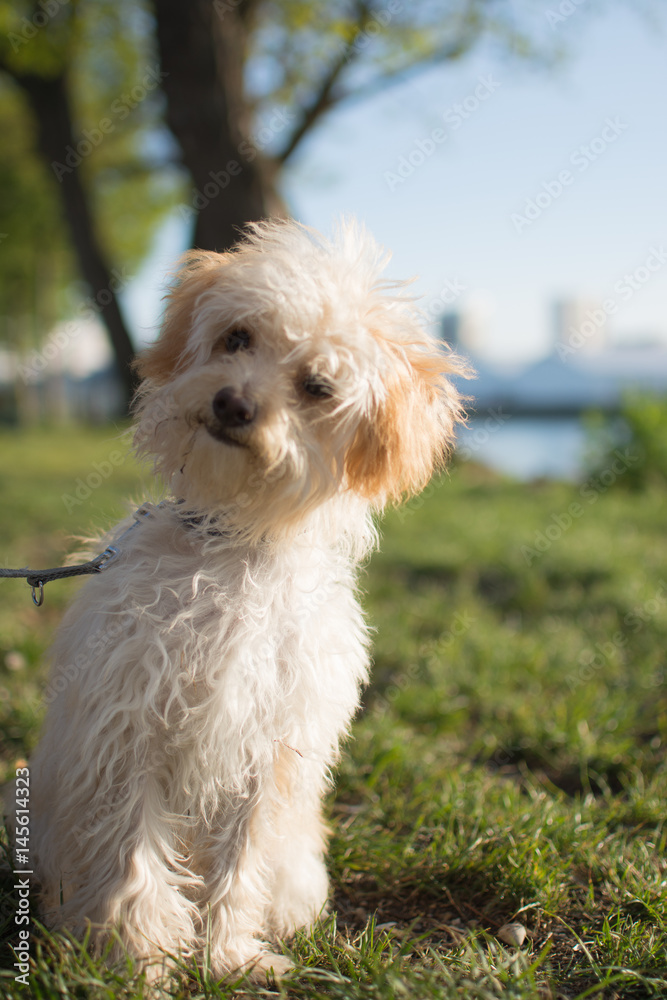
196 274
397 449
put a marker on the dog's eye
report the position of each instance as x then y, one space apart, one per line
317 387
236 340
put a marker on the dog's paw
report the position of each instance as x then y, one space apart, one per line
269 965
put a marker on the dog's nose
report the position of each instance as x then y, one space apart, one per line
232 409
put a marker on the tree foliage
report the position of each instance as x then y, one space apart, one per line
155 98
35 257
106 49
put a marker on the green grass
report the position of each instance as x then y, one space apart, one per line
508 764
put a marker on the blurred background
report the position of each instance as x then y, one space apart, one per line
509 763
508 152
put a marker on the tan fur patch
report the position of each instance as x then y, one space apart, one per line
197 273
397 450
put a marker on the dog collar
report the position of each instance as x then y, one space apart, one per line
198 522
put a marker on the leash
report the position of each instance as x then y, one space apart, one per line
38 578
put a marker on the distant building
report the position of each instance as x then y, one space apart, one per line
464 329
70 377
584 371
580 325
553 387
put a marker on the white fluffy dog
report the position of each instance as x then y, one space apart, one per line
202 682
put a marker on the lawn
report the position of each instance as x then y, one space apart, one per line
509 762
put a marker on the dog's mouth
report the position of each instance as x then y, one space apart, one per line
222 434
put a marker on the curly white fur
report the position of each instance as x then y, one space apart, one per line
202 683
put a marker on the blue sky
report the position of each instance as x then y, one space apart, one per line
599 115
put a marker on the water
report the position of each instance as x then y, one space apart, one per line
526 447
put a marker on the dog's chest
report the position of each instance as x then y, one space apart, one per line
265 621
263 646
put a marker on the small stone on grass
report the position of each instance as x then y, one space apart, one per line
513 934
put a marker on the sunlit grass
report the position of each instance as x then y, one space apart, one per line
508 764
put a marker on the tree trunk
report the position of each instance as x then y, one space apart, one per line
50 103
202 55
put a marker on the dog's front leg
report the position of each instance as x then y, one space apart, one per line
232 855
294 827
108 860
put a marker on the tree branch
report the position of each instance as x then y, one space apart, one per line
328 97
393 77
323 100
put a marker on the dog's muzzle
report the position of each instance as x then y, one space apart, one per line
233 412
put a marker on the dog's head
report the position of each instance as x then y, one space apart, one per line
286 373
